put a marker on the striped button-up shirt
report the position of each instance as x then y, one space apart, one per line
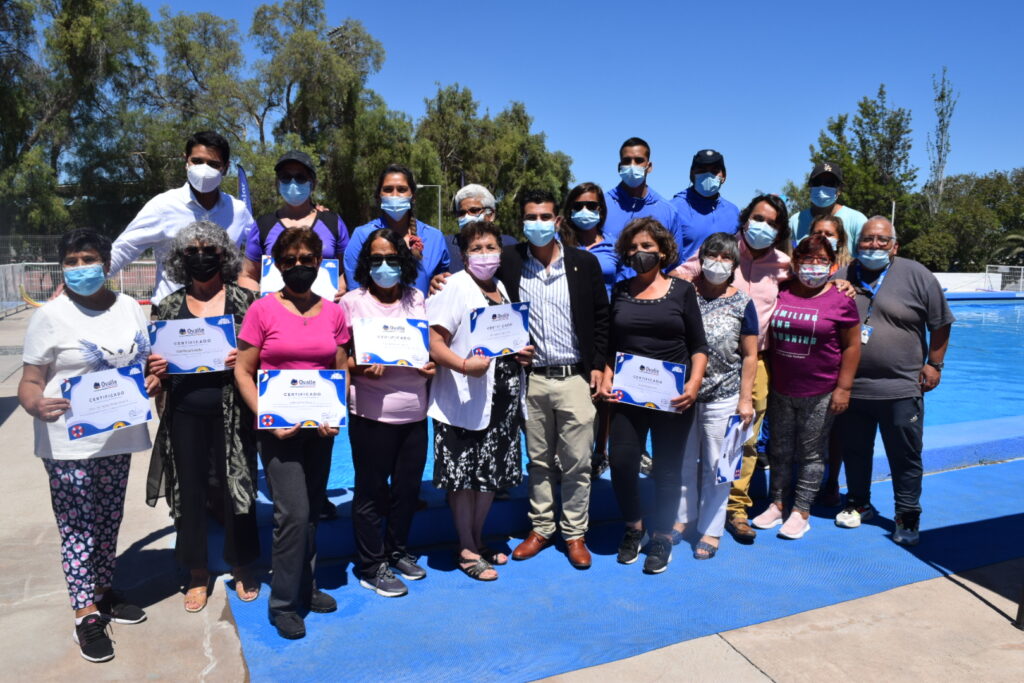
551 328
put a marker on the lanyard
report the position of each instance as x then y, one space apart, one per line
873 291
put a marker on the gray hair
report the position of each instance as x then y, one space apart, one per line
721 244
474 191
885 220
206 233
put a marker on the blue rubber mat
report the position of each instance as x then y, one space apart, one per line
542 617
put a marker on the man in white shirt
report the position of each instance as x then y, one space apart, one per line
207 158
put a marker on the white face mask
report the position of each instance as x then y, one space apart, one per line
716 272
204 178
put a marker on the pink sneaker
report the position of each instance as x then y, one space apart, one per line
795 527
771 517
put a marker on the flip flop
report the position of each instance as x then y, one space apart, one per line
706 547
191 592
474 571
247 584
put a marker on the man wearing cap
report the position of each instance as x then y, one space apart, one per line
207 156
700 208
826 183
296 180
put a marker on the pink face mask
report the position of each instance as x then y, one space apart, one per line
483 266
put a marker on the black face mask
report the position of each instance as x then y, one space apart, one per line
299 278
643 261
202 267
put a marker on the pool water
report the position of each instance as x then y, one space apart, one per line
982 378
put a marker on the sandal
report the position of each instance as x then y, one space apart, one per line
492 556
475 570
246 588
709 551
199 596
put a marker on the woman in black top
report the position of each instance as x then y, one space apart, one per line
658 317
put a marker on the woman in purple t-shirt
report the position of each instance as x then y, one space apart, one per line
814 351
293 329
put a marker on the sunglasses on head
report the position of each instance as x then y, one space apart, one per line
377 260
589 206
208 250
291 260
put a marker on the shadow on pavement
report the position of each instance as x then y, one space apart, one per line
8 404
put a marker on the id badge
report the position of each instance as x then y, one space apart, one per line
865 333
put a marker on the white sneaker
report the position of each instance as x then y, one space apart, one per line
771 517
905 534
795 527
852 517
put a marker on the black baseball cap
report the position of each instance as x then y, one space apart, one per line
707 157
827 167
298 157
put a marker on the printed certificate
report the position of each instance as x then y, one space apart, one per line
646 382
106 400
300 397
325 284
730 461
392 341
193 345
499 330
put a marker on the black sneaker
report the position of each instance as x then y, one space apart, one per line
114 608
646 464
598 465
629 547
322 603
290 625
91 636
659 554
384 583
405 564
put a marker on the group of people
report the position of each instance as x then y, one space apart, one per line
812 320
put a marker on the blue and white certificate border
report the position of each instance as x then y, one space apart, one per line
81 430
677 370
224 323
421 326
275 421
522 308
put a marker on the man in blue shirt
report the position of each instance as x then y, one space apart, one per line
700 208
633 198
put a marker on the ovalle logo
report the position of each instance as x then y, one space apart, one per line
101 386
296 382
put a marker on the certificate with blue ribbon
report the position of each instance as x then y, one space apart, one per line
392 341
325 284
647 382
499 330
106 400
192 345
306 398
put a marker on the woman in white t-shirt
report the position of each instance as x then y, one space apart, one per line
87 328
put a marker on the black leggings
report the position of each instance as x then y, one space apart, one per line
627 440
381 451
198 445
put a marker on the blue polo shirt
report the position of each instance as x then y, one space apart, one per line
700 216
434 261
623 207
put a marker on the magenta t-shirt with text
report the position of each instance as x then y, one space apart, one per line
804 346
288 341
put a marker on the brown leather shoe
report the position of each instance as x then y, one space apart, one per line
533 544
741 530
579 556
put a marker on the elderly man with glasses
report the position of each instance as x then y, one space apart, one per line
905 326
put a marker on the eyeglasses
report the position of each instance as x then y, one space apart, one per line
589 206
289 261
875 239
815 260
212 163
377 260
208 250
539 217
472 211
289 177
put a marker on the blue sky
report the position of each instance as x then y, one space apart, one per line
757 81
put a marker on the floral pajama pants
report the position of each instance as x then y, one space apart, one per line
88 502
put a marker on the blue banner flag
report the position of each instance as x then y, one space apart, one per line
243 187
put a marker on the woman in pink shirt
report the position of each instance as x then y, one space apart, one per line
387 420
293 329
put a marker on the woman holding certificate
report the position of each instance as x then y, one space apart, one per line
293 329
204 425
657 318
474 399
88 331
387 412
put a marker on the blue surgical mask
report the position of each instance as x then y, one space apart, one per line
822 196
760 235
295 193
470 218
707 184
396 207
540 233
585 219
386 276
633 176
85 280
873 259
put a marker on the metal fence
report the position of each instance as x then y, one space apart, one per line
22 248
11 276
1010 278
39 282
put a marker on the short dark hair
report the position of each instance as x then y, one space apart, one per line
297 237
654 228
811 244
396 168
721 244
781 220
409 265
536 197
633 142
82 239
470 231
567 231
208 138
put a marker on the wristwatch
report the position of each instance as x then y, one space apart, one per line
937 366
